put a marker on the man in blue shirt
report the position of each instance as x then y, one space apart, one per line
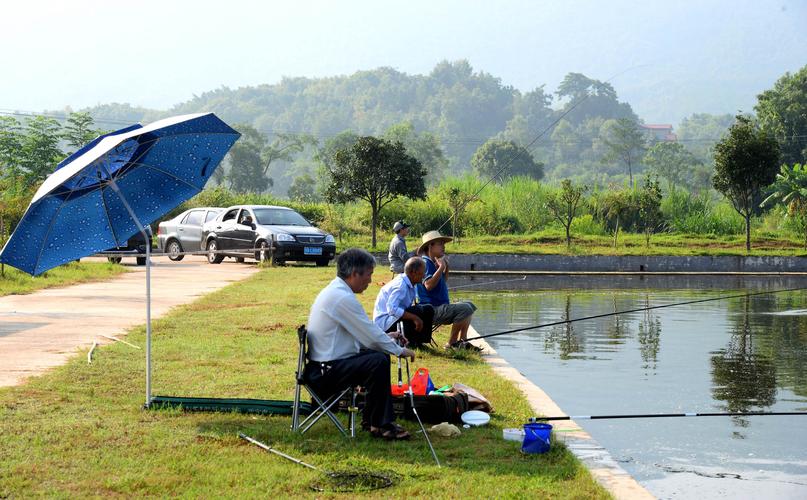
434 290
395 304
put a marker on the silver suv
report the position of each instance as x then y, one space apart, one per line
183 233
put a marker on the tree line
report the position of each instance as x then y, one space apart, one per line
756 164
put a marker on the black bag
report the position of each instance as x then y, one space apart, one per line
433 409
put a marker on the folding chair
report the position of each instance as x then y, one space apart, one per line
320 407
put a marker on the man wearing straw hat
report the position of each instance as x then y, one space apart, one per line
434 290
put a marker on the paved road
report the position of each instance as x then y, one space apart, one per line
43 329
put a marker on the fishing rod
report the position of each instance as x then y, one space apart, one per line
489 283
640 309
668 415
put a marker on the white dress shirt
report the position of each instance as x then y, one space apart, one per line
392 301
338 327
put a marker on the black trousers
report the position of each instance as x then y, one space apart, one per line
369 369
426 313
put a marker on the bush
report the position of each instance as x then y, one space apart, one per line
585 224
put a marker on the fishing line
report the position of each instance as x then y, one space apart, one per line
523 278
640 309
530 144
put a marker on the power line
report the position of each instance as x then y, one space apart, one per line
454 141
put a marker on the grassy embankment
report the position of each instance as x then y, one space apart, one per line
79 430
554 242
14 281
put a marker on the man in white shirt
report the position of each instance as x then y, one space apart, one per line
395 304
346 348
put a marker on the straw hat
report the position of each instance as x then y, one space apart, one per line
430 237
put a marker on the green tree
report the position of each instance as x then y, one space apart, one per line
246 173
564 205
746 161
782 111
11 138
650 207
326 153
79 130
40 152
591 98
671 161
790 189
284 148
503 159
425 147
625 143
613 206
701 131
376 171
304 189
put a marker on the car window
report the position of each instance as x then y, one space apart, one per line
195 218
211 215
279 217
243 215
185 219
230 215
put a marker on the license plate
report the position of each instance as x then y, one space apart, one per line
312 251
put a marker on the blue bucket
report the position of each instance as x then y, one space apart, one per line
536 438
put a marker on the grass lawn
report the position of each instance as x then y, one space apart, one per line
80 431
554 242
14 281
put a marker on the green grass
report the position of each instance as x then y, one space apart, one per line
13 281
80 431
554 242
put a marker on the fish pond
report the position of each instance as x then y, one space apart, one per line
740 354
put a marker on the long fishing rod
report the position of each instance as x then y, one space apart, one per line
668 415
640 309
496 282
529 146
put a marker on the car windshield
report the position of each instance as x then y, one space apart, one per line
279 217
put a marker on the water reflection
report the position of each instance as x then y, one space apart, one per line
649 337
741 377
735 355
562 337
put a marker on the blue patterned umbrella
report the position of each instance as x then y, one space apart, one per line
104 193
81 208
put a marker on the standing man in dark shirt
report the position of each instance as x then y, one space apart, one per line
397 248
434 290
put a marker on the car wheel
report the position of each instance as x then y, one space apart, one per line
322 262
114 260
141 261
240 260
212 256
174 251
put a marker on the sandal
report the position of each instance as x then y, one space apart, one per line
463 345
390 432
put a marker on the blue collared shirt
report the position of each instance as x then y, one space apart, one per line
392 300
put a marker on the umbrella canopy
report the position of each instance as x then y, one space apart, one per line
82 208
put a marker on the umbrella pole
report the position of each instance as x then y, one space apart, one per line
147 238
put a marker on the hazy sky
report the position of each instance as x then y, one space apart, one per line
159 53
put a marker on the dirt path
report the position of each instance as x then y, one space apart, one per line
43 329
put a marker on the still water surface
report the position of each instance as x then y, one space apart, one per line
742 354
